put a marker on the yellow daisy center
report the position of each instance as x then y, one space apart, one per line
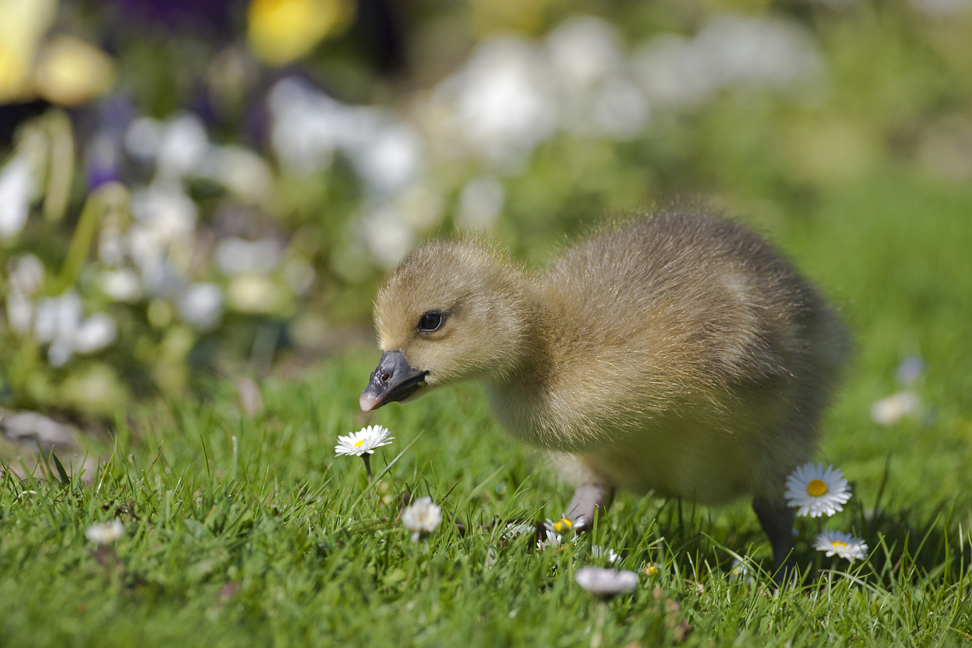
561 524
359 443
817 488
838 544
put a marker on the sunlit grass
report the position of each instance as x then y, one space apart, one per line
249 530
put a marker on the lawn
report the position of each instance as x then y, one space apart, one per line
248 530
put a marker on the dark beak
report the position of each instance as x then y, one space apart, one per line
393 380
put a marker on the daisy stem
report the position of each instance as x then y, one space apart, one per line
819 561
411 567
367 460
597 637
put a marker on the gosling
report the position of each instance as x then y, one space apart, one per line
679 354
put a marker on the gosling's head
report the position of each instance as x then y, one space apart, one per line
450 311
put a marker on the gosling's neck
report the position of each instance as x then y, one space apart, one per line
518 391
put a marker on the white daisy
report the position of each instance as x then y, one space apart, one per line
814 490
364 441
741 571
895 407
606 583
836 543
652 570
597 551
105 533
514 530
560 526
422 517
553 540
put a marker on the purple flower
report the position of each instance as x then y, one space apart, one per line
175 14
103 151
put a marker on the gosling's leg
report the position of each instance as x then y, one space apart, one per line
776 518
587 499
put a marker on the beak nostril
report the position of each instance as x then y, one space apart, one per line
392 380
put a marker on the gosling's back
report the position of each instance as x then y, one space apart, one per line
679 354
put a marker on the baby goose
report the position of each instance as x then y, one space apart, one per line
679 354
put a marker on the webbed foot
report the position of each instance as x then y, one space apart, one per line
776 518
588 499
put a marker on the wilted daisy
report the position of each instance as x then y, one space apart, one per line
837 543
606 583
422 517
363 443
814 490
105 533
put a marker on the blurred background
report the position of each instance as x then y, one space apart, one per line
196 189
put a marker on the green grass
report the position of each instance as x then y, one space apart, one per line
249 531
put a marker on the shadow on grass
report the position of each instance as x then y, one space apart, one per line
906 545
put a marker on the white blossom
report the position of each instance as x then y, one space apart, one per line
26 274
121 285
814 490
502 103
236 256
895 407
422 517
16 193
202 305
105 533
841 544
606 583
364 441
95 333
609 554
480 203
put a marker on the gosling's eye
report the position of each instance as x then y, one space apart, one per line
431 321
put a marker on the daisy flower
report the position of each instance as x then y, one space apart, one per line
422 517
741 571
597 551
514 530
836 543
892 409
363 444
105 533
606 583
553 540
561 525
364 441
815 491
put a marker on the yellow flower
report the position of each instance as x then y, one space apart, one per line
281 31
22 24
71 71
253 293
